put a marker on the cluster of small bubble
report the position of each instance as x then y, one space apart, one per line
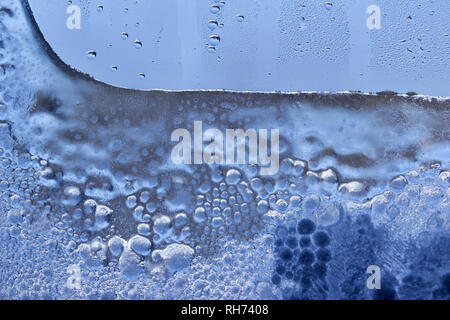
29 242
214 277
96 231
12 58
19 181
229 202
225 206
302 256
415 209
416 202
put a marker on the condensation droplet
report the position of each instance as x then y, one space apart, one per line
91 54
137 44
141 75
215 9
240 18
212 24
124 35
214 40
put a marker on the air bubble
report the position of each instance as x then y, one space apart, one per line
233 177
143 229
306 226
131 202
200 215
145 196
321 239
306 257
116 245
162 225
140 245
181 219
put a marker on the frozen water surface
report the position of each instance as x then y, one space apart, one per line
91 205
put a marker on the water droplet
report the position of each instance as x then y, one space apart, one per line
328 5
100 8
212 24
114 68
240 18
215 9
141 75
124 35
214 40
211 49
91 54
137 44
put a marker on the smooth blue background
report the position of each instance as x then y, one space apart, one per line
283 45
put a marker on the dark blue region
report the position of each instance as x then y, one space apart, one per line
331 263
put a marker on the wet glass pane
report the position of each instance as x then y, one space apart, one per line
224 150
